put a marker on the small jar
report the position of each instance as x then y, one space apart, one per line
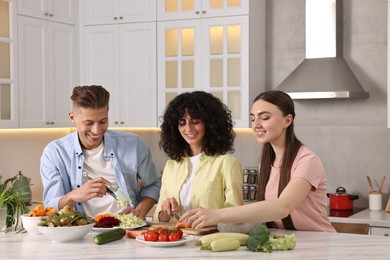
252 192
245 176
245 189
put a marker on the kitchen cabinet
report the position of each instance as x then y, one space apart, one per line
63 11
122 58
194 9
380 231
47 67
8 77
212 54
118 11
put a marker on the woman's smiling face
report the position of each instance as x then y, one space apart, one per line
193 131
268 122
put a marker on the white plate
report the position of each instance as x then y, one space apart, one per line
183 240
126 228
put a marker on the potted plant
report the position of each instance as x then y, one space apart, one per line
11 201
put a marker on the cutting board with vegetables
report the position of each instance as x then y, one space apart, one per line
189 231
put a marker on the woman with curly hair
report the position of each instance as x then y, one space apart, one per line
197 135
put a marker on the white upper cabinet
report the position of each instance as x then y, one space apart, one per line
63 11
8 77
209 55
192 9
122 58
47 72
212 54
118 11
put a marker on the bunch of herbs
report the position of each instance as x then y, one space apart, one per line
12 197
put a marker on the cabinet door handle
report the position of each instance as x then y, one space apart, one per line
121 17
51 15
115 18
197 12
48 123
203 12
122 123
116 122
46 14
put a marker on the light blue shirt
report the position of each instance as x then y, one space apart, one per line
62 167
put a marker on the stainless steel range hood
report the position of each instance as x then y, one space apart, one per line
324 78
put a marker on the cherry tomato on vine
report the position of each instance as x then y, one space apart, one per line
150 235
163 237
173 236
159 230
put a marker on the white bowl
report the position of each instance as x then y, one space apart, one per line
65 234
240 228
30 224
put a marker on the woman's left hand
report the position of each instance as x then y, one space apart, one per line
201 217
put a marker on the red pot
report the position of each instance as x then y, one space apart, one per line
341 200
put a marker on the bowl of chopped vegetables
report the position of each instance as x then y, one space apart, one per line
66 225
31 220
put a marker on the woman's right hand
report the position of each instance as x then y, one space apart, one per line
169 206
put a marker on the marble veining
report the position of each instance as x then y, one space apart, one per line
310 245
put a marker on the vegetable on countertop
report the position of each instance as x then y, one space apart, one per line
182 225
222 245
109 236
207 239
260 240
134 233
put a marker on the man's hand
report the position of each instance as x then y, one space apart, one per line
91 189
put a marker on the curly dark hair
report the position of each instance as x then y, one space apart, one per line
219 134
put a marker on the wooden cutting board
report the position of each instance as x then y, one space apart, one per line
189 231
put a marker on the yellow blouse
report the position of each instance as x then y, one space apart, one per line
217 183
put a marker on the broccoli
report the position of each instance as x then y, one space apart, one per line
260 240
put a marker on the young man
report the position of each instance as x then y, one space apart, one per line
119 159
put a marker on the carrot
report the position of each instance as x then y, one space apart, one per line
182 224
134 233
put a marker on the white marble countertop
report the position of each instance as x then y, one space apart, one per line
310 245
379 218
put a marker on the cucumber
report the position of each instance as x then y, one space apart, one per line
109 236
207 239
222 245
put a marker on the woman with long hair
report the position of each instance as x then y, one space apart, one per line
292 183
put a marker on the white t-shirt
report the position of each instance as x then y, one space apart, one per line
185 191
95 163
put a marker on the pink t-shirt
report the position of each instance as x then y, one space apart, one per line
312 214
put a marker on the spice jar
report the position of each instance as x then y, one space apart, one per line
252 192
245 176
246 192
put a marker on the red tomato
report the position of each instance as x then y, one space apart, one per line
174 236
180 232
163 237
159 230
150 235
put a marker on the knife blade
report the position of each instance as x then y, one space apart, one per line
177 217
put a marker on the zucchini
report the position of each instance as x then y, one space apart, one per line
207 239
222 244
109 236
